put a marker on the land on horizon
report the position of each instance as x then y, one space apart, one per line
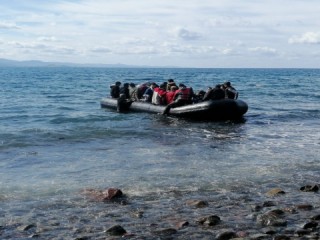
38 63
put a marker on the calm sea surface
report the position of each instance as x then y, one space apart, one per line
55 140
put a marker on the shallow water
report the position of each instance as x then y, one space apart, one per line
55 140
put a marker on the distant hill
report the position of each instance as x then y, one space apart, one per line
35 63
13 63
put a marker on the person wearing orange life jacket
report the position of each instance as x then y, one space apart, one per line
183 96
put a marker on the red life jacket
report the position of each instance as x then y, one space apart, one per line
170 96
158 97
184 94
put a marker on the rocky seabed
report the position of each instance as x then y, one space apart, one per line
276 214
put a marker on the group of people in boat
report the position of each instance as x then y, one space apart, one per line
170 94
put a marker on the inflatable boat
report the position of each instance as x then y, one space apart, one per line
224 109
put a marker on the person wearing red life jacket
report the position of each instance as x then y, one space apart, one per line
183 96
170 94
159 93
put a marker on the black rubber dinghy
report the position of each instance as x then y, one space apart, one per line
224 109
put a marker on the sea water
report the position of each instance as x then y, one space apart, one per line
56 140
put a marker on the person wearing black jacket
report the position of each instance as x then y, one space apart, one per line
125 90
115 90
215 93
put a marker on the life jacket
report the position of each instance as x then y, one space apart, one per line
170 96
158 97
183 94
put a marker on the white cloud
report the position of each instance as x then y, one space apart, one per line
63 50
101 50
230 21
143 31
308 37
137 41
264 50
47 39
8 25
187 35
227 51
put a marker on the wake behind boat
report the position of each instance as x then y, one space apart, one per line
223 109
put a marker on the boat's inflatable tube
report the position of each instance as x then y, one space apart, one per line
225 109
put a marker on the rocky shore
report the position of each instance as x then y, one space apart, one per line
112 214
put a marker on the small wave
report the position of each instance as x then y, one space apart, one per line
283 115
58 96
298 114
66 108
78 119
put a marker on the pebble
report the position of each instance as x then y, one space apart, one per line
269 204
182 224
165 231
259 236
275 191
116 230
137 214
103 195
316 217
209 220
26 227
225 235
281 237
306 207
310 225
310 188
272 218
197 203
224 218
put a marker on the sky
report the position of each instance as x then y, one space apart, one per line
181 33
